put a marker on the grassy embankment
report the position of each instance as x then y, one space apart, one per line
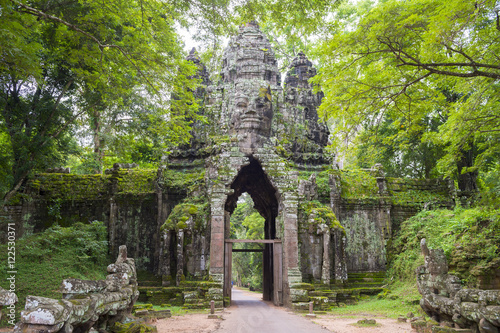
470 239
43 260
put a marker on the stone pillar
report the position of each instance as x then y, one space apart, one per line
217 245
164 264
161 215
180 257
325 267
292 272
113 216
340 267
384 218
335 190
217 232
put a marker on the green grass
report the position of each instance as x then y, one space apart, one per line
45 259
175 310
402 299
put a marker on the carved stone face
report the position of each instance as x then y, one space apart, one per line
252 110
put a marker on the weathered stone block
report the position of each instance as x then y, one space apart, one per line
300 306
45 311
70 287
305 286
299 295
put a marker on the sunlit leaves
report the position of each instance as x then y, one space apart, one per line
403 61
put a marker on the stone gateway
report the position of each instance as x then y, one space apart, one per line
325 229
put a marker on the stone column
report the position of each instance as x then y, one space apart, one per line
112 225
292 274
217 232
325 268
335 190
164 264
340 267
180 256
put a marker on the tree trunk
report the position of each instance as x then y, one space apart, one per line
10 194
98 141
467 181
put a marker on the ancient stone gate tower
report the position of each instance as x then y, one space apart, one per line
322 225
261 130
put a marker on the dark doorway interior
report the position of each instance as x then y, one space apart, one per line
252 179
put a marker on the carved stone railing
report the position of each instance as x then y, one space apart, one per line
8 299
85 304
444 299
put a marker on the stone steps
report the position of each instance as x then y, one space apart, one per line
366 280
326 296
149 283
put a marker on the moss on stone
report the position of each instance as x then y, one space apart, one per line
69 187
195 208
182 181
358 184
418 198
318 213
305 286
135 181
133 327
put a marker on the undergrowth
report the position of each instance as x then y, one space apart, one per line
43 260
470 239
400 300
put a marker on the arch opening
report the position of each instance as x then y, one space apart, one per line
253 180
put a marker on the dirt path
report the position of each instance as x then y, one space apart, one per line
193 323
250 314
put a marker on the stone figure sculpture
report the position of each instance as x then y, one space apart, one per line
85 304
252 109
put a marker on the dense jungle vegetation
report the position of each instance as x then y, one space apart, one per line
413 85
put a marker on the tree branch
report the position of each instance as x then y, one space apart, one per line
403 56
66 87
102 46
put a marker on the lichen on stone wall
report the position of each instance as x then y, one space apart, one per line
421 193
195 208
69 186
135 181
365 246
315 213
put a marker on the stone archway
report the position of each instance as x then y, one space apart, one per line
253 180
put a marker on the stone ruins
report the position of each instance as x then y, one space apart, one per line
325 229
85 304
446 302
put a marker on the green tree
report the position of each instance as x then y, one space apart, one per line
247 223
398 59
63 60
401 152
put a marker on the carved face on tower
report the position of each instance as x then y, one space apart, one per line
252 109
250 76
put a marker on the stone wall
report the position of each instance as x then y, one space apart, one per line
447 303
135 203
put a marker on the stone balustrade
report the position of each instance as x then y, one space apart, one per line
444 299
85 304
